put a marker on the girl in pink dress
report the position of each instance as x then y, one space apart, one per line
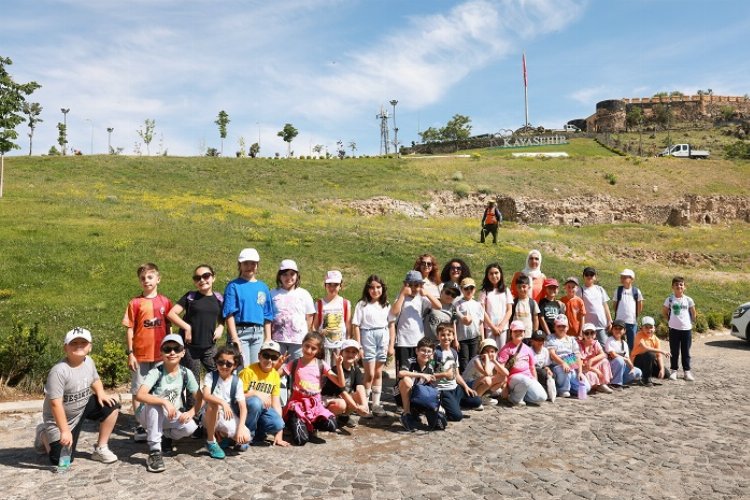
594 360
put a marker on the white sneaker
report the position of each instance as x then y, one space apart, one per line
489 401
479 408
379 411
103 454
689 376
520 403
673 375
605 389
565 394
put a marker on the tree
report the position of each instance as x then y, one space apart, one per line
676 93
146 133
222 120
430 135
62 135
288 133
353 146
457 129
317 149
634 117
32 111
12 98
662 115
340 151
254 149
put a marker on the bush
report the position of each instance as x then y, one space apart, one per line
701 324
111 363
476 156
715 320
462 190
662 331
24 354
611 178
727 319
457 176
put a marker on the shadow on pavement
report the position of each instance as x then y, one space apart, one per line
739 344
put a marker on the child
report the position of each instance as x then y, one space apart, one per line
72 394
469 324
595 299
497 302
225 416
305 412
679 310
564 353
351 398
333 315
533 271
453 390
202 324
518 359
542 362
420 371
372 327
446 314
146 323
407 310
525 309
162 396
575 309
247 308
623 369
485 374
549 306
647 353
628 304
594 360
262 387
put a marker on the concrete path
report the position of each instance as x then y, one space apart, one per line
680 440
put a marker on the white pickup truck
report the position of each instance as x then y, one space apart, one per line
685 151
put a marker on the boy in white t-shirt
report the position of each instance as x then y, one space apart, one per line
679 310
628 305
470 323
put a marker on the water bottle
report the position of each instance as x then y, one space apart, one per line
582 390
63 464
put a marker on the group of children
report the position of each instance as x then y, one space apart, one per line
295 364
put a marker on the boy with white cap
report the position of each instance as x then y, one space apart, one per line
351 398
72 394
647 353
628 304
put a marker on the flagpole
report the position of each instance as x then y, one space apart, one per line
525 91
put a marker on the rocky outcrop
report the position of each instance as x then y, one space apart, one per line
576 210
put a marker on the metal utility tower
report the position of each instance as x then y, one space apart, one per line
383 117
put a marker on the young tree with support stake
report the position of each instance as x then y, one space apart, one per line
32 111
288 133
12 99
222 121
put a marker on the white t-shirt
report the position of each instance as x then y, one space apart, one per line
292 307
496 305
595 299
524 312
626 307
476 311
679 312
410 328
449 362
370 315
541 358
223 388
617 346
333 321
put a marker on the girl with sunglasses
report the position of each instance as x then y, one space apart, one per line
202 323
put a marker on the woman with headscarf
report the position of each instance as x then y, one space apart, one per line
533 270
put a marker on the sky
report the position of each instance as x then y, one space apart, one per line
328 67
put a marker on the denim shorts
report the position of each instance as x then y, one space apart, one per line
375 344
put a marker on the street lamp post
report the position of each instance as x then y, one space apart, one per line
395 128
65 127
109 139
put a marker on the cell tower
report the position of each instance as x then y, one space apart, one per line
383 117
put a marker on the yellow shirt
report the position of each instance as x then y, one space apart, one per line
253 378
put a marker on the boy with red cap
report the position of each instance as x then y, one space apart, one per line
549 306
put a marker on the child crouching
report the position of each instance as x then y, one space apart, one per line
417 390
351 398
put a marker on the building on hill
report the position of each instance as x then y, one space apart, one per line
610 115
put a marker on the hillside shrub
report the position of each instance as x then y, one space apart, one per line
457 176
738 151
611 178
462 190
111 363
24 354
701 323
715 320
727 320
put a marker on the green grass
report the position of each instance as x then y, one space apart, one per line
76 228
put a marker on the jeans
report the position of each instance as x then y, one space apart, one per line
679 345
630 330
251 338
453 400
601 336
527 389
567 382
262 421
621 374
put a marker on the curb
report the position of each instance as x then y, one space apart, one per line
35 405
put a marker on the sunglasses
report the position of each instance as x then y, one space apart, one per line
271 356
425 264
225 363
203 277
456 268
166 349
589 334
470 287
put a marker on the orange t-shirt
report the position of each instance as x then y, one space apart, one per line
652 342
536 291
574 308
148 319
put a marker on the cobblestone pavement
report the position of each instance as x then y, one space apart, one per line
680 440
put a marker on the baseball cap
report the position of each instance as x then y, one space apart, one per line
452 287
589 271
466 282
270 346
288 264
550 282
648 320
333 277
349 343
561 319
572 279
588 327
248 254
488 343
517 325
619 323
77 333
173 337
628 272
413 277
538 335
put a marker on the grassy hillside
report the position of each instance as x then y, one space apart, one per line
75 229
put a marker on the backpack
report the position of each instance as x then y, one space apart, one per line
618 298
233 389
183 391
